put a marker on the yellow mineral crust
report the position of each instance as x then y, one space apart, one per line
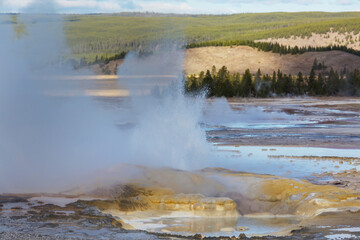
267 194
138 199
222 192
305 199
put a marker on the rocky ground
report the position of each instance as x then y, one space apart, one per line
328 212
349 179
20 220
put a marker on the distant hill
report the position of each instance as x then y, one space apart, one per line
91 35
109 34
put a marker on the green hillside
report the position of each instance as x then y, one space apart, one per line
100 34
108 34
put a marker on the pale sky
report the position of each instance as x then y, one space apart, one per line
186 6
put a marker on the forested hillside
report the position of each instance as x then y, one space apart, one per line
106 35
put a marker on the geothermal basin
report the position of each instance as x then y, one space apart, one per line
288 170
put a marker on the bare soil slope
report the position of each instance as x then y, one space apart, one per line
351 40
239 58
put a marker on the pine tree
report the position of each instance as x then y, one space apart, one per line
191 84
285 85
356 76
208 84
273 82
237 85
300 84
247 86
311 83
279 83
257 81
320 90
213 72
228 88
201 76
333 83
221 77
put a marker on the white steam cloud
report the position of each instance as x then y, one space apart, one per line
47 143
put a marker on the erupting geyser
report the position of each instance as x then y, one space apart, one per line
166 131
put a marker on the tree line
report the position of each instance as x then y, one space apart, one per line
219 83
102 60
274 47
261 46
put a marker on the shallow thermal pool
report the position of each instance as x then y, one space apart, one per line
184 223
278 160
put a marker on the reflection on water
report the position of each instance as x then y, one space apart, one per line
216 226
